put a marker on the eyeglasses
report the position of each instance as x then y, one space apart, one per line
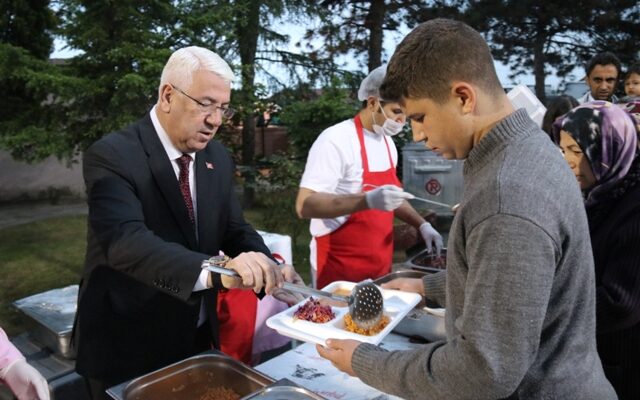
209 108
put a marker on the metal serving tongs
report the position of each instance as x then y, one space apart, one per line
365 301
432 202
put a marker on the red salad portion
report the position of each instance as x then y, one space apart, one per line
313 311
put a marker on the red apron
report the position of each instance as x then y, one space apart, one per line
237 318
362 247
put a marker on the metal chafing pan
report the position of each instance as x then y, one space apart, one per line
49 318
189 379
421 321
284 389
424 261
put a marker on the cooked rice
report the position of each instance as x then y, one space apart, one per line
351 326
220 393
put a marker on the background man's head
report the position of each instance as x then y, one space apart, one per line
603 71
379 111
443 75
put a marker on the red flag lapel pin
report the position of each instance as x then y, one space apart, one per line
208 164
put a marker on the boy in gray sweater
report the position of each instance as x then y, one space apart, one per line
519 286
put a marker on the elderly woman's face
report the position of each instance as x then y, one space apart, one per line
577 161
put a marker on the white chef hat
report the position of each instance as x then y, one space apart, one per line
370 85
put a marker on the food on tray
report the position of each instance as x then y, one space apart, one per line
220 393
335 303
314 311
351 326
342 292
431 260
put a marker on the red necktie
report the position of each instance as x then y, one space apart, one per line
183 181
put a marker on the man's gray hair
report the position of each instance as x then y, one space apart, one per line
184 62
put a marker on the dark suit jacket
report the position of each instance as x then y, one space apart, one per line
136 308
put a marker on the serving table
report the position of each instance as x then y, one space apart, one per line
304 366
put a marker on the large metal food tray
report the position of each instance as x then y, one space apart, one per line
284 389
421 321
50 318
189 379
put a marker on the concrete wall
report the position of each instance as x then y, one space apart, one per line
50 179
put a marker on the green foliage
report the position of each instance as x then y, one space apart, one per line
307 119
34 119
28 24
276 197
534 36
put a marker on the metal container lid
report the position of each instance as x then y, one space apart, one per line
55 309
283 393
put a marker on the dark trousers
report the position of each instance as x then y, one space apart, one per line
98 388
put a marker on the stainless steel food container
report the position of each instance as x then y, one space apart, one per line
49 318
418 322
284 389
189 379
424 261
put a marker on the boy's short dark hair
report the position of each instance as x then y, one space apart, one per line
606 58
633 69
433 55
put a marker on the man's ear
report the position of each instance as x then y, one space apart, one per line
166 95
465 95
372 103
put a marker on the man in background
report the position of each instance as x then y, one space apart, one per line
603 72
351 192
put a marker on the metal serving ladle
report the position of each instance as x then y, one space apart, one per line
435 203
365 301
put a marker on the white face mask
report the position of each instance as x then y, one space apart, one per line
389 127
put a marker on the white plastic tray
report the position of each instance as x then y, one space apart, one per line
396 305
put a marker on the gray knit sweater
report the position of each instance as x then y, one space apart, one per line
519 287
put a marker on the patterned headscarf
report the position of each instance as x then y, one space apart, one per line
608 137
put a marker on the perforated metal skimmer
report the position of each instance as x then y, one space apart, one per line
366 304
365 301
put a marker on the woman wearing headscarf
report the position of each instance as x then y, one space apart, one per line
600 142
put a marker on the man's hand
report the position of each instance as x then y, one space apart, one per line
406 285
340 353
290 275
256 270
387 197
431 236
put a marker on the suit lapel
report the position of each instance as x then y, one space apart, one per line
208 195
165 178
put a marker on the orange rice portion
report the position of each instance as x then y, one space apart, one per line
353 327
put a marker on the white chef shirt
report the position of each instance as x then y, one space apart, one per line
334 165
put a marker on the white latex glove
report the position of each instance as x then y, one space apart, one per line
387 197
25 382
430 235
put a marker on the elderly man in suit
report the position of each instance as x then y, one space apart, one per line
161 201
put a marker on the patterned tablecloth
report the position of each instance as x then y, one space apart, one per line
305 367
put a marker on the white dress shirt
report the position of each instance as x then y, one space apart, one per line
173 153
